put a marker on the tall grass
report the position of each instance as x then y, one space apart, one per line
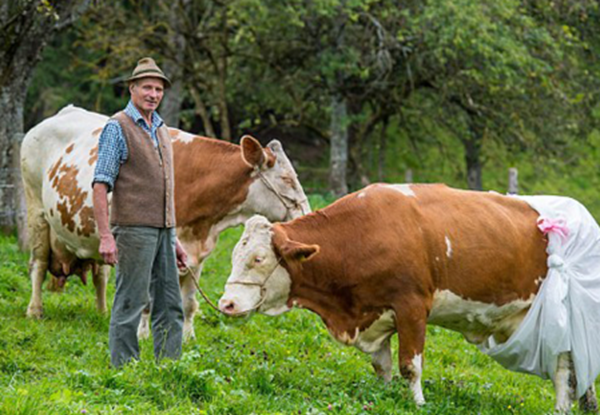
258 365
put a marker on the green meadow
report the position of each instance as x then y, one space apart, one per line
258 365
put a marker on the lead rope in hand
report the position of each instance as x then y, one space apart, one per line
210 303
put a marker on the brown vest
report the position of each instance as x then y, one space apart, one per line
143 190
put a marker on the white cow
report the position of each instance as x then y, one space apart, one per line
217 185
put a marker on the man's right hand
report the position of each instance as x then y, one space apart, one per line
108 249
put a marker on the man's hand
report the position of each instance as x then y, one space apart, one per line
181 256
108 246
108 249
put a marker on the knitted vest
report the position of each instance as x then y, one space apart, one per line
143 192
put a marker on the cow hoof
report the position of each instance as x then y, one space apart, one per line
189 334
143 333
34 312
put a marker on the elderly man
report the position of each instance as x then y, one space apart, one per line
135 162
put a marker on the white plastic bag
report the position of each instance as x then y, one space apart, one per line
565 315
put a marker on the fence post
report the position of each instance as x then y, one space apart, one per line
513 181
408 176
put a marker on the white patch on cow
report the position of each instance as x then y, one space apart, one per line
437 258
477 320
370 339
415 383
405 189
361 195
251 284
184 137
448 247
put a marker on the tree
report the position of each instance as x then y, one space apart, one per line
504 71
25 28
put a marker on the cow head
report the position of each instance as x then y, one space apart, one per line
276 193
258 282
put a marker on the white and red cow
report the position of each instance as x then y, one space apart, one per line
217 185
394 258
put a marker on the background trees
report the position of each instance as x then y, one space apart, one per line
358 90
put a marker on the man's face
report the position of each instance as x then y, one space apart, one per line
147 93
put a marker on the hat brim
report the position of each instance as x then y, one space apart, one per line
150 75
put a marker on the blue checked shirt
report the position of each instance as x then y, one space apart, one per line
112 147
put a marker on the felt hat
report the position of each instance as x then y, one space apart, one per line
147 68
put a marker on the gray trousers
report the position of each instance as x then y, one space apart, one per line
146 274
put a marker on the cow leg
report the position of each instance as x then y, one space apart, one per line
37 272
144 327
588 402
382 361
39 232
100 277
564 385
410 324
190 303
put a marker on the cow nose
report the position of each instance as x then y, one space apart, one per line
226 306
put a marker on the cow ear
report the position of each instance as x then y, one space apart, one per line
252 151
297 251
271 158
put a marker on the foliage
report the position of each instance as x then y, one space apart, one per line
427 84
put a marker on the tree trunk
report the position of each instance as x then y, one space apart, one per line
25 27
222 66
339 147
201 110
171 105
382 151
473 159
12 99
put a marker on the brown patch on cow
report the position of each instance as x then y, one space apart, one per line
210 181
88 222
71 196
70 148
93 155
65 216
173 132
96 132
54 170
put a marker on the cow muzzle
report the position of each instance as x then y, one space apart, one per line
231 308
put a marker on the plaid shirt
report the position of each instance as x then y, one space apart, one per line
112 147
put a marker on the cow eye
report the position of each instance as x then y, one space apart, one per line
258 260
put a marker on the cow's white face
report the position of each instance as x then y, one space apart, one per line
278 178
257 281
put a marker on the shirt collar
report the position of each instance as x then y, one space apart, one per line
133 112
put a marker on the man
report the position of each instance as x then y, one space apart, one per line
135 162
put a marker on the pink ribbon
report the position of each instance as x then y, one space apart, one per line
557 226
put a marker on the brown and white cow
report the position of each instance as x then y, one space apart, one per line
217 185
394 258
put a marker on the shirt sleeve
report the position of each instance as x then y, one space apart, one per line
112 152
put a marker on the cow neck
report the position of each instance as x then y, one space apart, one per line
312 287
211 180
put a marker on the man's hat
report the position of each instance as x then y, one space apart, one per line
147 68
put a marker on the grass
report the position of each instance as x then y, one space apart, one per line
259 365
